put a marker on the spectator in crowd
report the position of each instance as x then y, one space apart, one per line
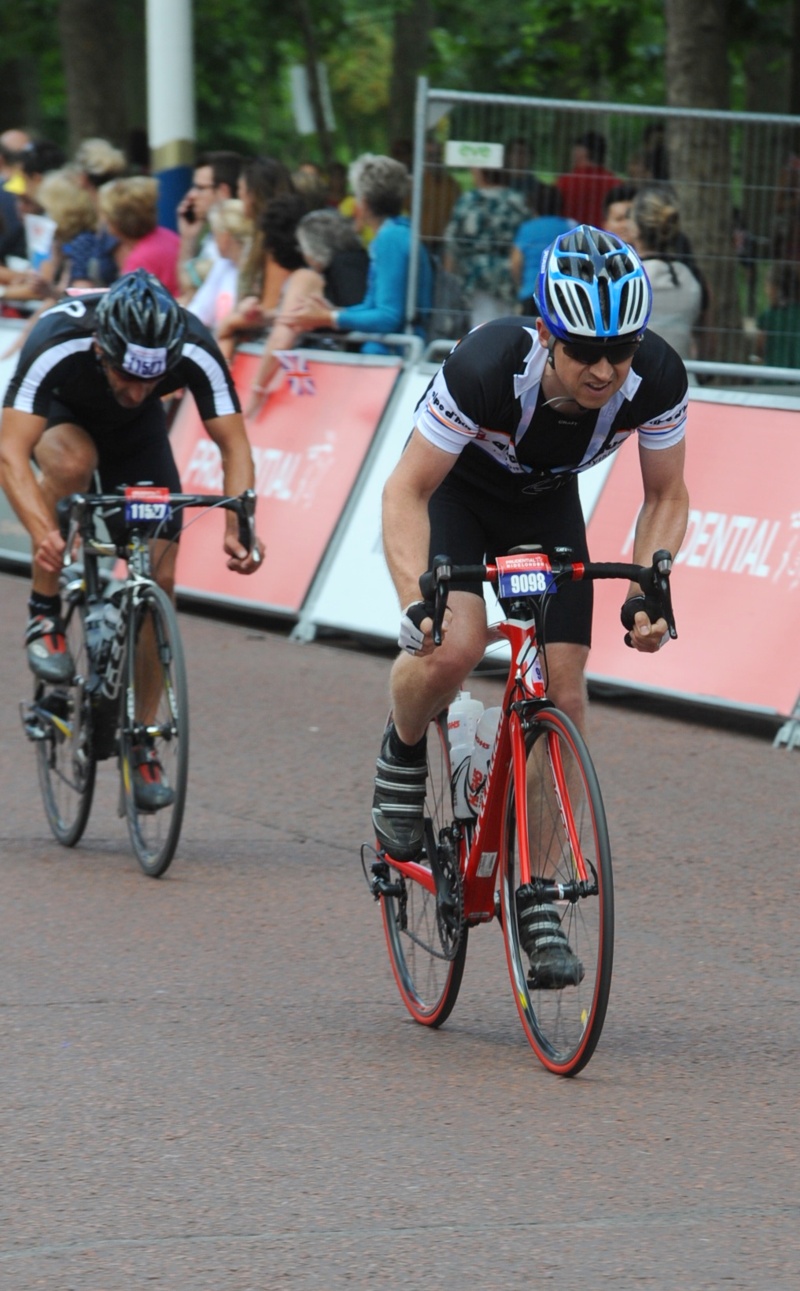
330 245
531 239
215 179
37 159
13 144
617 205
778 334
130 210
261 278
308 179
276 238
12 230
585 185
91 253
786 233
338 191
678 295
440 192
381 186
335 267
478 241
216 296
651 163
518 162
74 214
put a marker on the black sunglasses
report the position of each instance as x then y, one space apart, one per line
589 353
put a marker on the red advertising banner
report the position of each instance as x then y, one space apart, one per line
736 583
309 441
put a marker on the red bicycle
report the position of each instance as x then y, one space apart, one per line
540 835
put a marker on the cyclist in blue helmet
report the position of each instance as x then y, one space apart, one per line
519 408
592 287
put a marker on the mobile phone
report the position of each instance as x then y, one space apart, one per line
190 214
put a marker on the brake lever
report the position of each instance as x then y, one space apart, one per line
435 581
246 516
656 587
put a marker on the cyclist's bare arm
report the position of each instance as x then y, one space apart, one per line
406 527
238 474
20 432
661 524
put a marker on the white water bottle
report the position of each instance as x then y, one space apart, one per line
485 735
462 722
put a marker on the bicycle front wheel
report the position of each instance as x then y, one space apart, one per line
428 944
567 847
154 731
64 756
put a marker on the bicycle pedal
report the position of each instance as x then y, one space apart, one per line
33 728
378 869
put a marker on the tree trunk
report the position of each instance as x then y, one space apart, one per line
412 25
94 54
698 76
314 88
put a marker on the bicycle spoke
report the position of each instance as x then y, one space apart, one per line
427 949
154 722
566 848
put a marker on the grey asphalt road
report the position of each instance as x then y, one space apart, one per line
209 1082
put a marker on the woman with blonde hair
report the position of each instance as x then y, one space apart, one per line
232 232
130 210
680 295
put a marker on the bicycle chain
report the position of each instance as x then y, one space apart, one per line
450 930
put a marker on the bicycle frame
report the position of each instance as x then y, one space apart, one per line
480 843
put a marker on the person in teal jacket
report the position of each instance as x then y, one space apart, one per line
381 188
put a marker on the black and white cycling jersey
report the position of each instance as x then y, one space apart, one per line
58 363
485 405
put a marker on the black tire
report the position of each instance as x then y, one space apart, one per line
427 962
563 1026
64 755
154 834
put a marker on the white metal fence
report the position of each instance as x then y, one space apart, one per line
736 177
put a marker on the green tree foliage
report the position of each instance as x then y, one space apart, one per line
611 50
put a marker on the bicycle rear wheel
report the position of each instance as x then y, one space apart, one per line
154 714
428 945
62 718
566 819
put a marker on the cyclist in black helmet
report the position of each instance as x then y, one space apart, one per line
86 397
520 407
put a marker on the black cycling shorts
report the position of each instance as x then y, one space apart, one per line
137 452
472 527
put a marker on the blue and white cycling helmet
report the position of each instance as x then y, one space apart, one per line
592 287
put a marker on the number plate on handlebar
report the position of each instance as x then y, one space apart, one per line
146 503
525 574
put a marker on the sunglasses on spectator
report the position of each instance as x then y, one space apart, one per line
589 354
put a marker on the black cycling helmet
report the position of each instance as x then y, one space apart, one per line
140 327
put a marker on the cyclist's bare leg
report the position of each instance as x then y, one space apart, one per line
163 555
422 687
67 458
566 680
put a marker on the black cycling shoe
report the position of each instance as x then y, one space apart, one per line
151 789
399 802
46 649
554 964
